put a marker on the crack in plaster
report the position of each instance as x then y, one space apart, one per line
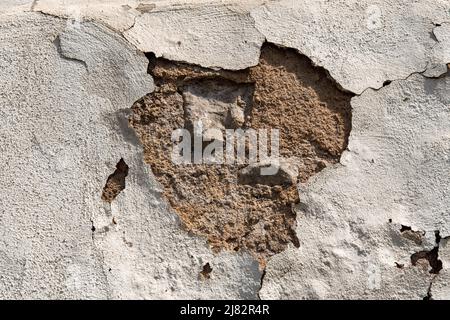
57 43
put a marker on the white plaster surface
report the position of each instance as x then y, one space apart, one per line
440 288
396 169
66 86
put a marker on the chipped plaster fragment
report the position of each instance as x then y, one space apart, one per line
117 14
350 214
440 54
429 258
211 35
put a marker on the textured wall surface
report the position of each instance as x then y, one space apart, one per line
372 222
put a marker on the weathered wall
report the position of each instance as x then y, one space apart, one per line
372 224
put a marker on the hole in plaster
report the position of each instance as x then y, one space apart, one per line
408 233
404 228
206 271
431 256
234 206
386 83
115 182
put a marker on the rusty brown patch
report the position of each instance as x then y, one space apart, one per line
284 91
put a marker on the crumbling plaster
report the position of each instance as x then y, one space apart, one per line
65 104
64 131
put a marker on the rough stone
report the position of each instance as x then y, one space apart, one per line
286 173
